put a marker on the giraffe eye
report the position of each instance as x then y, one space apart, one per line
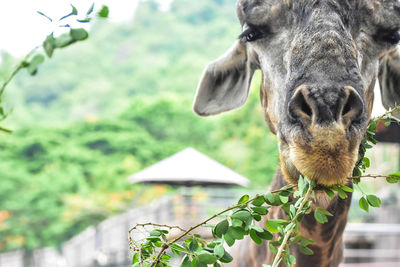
250 35
391 37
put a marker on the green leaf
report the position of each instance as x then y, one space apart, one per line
228 239
301 185
393 178
284 199
186 262
272 199
90 10
193 245
206 257
49 45
256 216
178 248
388 121
196 263
237 223
34 63
217 264
329 192
258 201
135 258
255 237
221 228
366 162
265 235
256 228
219 250
86 20
260 210
236 233
374 201
155 233
243 199
292 259
325 212
372 126
226 258
63 40
44 15
79 34
103 13
305 250
153 239
243 215
272 225
346 188
321 218
73 13
341 193
74 10
363 203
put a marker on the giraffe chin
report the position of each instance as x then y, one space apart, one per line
328 158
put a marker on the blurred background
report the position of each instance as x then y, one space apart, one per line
96 132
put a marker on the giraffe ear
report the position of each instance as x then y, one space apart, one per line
225 82
389 80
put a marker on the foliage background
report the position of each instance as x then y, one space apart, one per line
105 108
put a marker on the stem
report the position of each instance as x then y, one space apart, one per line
140 257
222 212
289 233
20 66
381 117
372 176
159 255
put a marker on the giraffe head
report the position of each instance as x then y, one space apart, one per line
319 61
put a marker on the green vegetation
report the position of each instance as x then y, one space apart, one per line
110 106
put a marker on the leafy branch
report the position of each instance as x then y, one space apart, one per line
34 58
296 201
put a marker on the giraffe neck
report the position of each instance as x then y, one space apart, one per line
328 250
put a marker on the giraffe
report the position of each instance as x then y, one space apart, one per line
320 60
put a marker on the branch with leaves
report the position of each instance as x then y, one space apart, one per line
35 57
242 220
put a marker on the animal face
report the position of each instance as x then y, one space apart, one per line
319 61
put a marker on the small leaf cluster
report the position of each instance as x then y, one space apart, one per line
367 201
363 162
74 35
33 59
149 247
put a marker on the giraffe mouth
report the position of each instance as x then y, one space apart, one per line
328 157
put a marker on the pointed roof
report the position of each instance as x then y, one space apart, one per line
189 167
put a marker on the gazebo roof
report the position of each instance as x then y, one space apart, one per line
187 168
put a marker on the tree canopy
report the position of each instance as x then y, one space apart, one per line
111 106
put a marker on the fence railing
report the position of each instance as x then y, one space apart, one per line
107 244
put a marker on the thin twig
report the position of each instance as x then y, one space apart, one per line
140 257
20 66
289 232
389 112
372 176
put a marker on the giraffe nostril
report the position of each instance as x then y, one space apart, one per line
353 106
299 107
304 107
